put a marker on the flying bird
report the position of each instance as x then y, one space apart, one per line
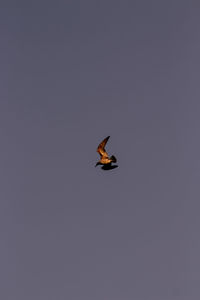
105 160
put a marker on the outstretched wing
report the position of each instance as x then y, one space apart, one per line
101 148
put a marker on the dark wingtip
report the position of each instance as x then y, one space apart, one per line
113 158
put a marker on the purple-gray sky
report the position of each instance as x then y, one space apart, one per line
73 72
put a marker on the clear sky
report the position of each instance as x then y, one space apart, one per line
73 72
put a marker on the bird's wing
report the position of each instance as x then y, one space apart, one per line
101 148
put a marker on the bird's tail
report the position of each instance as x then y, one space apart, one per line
113 158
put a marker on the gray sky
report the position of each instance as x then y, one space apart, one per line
73 72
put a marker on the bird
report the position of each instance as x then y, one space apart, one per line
105 160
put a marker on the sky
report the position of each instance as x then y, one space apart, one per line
72 73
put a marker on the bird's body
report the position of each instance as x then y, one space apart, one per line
105 159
